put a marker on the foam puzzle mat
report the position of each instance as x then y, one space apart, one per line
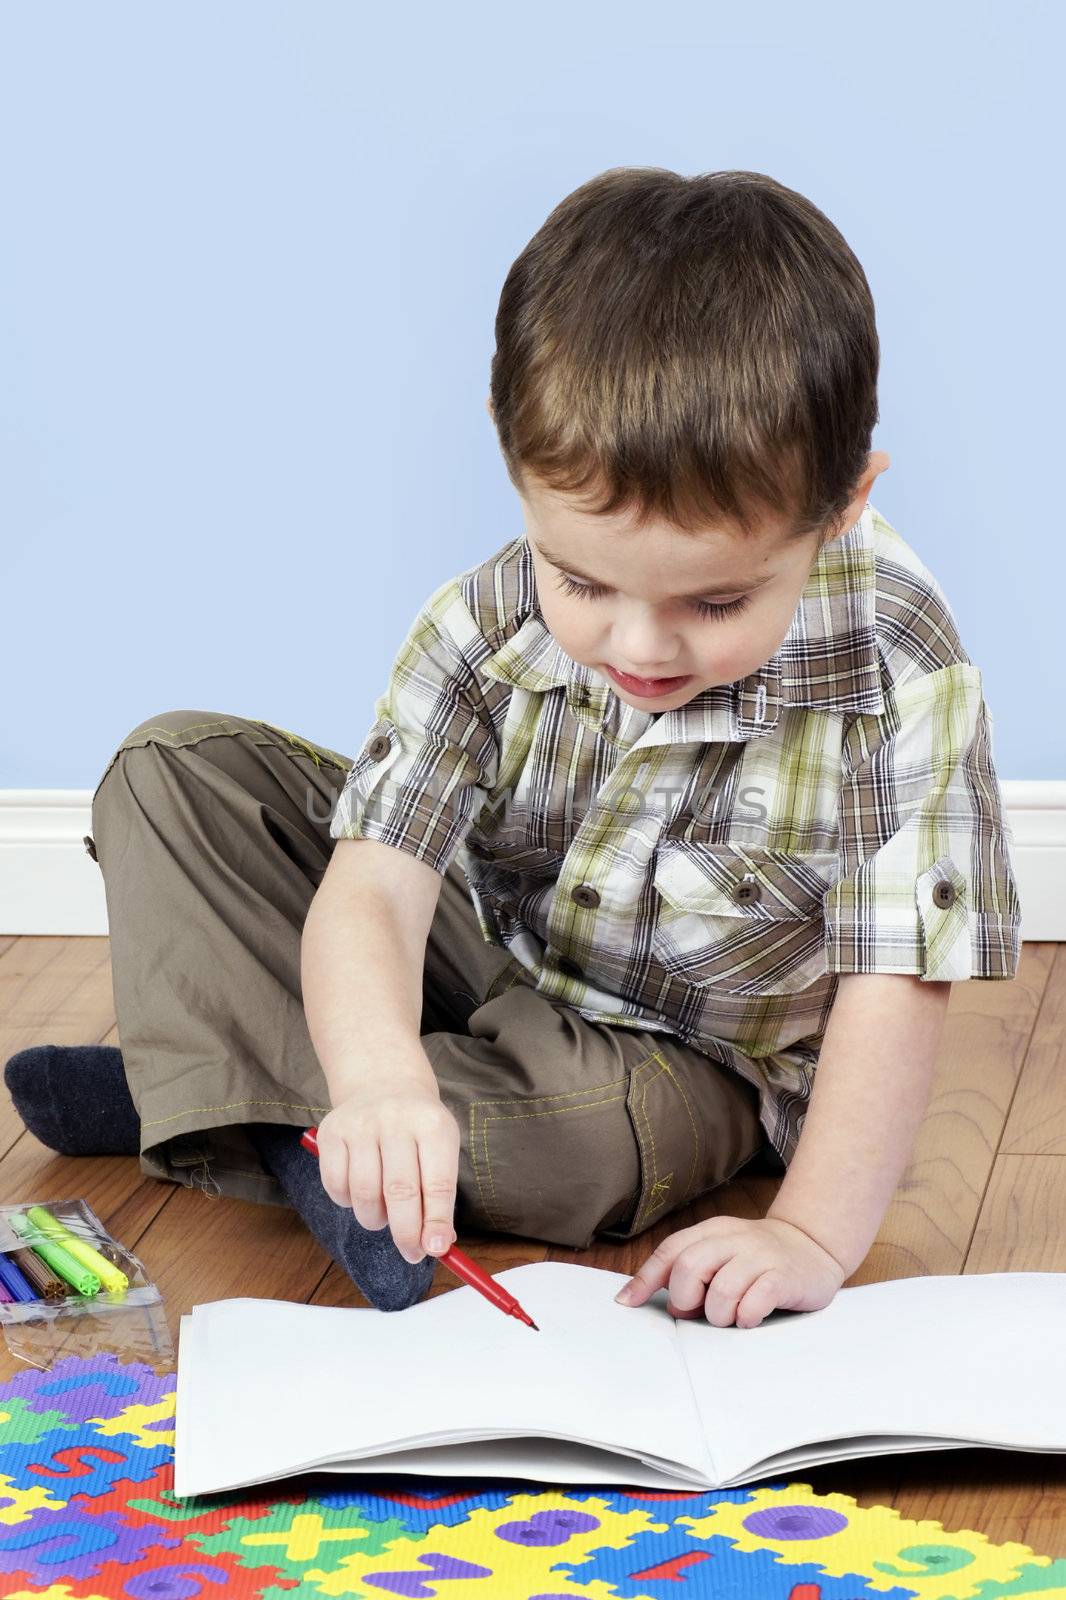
87 1509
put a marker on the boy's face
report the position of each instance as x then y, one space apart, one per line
662 615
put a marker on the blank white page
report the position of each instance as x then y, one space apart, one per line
268 1387
975 1357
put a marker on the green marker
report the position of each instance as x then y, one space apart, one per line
60 1260
59 1233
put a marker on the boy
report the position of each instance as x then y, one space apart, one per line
681 795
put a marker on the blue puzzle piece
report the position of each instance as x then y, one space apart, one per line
679 1567
80 1463
74 1544
421 1503
667 1505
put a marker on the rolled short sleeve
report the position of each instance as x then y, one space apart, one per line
927 884
430 756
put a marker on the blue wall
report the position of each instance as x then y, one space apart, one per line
250 257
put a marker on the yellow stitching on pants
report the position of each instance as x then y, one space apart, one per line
165 734
316 752
647 1208
692 1122
234 1105
169 735
530 1100
642 1210
567 1094
558 1111
659 1187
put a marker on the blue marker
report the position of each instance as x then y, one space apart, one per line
16 1281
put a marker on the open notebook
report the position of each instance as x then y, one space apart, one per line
609 1394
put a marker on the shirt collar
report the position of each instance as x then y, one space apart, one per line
827 661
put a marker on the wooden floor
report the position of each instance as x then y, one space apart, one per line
985 1192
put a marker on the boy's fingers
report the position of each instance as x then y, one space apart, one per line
364 1186
333 1165
401 1188
440 1176
653 1273
692 1273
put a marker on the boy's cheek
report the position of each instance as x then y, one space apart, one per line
576 635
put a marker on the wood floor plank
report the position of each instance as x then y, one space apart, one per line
1037 1121
999 1493
202 1248
930 1220
123 1198
1020 1225
52 991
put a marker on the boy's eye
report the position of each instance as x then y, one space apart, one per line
593 591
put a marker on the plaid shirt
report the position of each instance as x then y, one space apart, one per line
707 871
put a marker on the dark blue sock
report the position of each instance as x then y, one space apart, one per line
75 1099
370 1259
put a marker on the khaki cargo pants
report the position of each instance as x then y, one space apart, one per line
212 834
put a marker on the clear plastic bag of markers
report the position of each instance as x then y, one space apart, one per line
68 1288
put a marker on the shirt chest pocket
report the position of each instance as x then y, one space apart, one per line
743 919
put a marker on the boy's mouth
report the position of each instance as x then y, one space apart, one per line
647 688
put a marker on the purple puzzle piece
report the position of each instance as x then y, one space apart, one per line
416 1584
170 1583
801 1521
100 1387
546 1528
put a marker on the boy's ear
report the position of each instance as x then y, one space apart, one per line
877 461
488 405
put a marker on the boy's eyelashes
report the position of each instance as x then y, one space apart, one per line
593 591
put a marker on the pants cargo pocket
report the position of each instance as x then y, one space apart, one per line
557 1167
670 1139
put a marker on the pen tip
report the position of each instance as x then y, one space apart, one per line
533 1325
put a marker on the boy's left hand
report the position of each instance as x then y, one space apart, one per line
737 1269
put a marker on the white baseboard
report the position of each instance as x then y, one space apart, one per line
49 884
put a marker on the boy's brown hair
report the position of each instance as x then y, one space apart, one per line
692 349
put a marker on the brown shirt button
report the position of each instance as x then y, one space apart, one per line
379 746
944 893
584 895
747 891
90 846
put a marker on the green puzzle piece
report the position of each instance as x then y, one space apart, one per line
20 1425
168 1508
292 1537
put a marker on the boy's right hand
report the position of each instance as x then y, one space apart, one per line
390 1150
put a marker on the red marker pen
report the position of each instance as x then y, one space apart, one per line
459 1263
